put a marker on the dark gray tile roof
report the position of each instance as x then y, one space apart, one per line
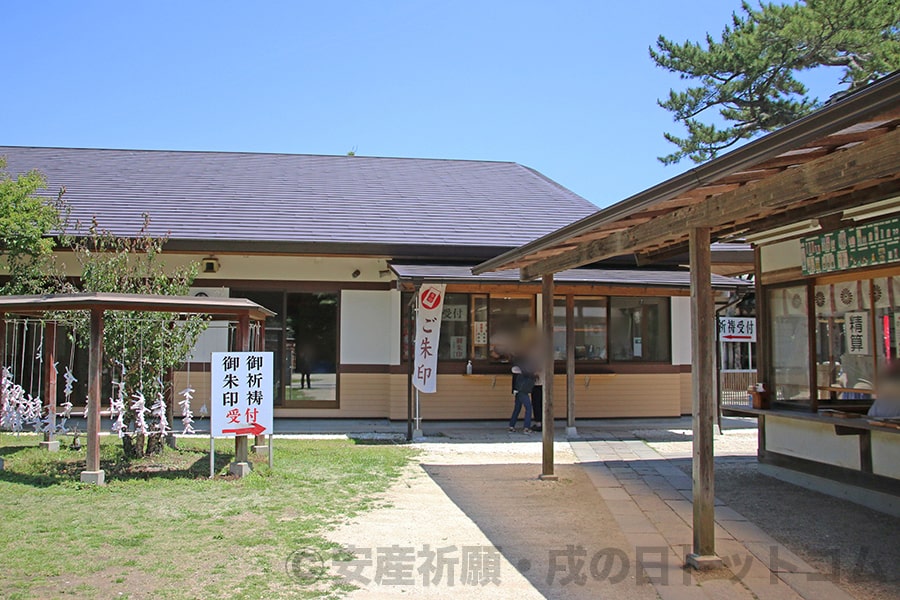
624 277
246 197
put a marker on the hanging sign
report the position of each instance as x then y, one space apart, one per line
737 329
857 331
863 246
428 332
242 393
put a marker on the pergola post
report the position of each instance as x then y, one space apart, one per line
92 472
241 465
547 340
571 431
50 443
704 402
2 359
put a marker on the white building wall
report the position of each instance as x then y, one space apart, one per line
681 330
370 327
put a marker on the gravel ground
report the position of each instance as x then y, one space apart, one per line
857 547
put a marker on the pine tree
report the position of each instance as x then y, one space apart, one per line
749 75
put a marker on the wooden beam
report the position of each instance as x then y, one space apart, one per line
549 363
704 402
875 159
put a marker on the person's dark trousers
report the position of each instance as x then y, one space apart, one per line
537 402
522 400
308 378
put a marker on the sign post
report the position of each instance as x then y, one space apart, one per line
242 395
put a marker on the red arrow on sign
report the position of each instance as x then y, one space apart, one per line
255 429
737 337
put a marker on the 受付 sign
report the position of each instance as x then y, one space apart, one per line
428 333
737 329
242 393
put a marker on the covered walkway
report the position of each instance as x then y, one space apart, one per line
617 523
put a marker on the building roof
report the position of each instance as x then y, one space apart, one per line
289 202
811 168
612 277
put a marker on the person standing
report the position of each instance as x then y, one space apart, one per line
522 386
537 400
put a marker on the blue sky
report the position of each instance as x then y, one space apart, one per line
564 87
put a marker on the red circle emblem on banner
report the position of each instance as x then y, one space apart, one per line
431 298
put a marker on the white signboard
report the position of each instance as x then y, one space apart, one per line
242 393
428 332
857 331
737 329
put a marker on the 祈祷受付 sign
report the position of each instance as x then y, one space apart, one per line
242 393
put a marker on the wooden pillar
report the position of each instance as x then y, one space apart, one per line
49 391
242 342
93 474
704 402
570 366
547 340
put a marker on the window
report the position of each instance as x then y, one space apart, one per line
310 365
589 320
454 340
845 361
639 329
789 335
508 317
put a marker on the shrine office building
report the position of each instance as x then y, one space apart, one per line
336 246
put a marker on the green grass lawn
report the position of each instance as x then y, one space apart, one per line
161 529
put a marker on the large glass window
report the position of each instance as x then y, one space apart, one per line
589 320
310 363
789 335
639 329
845 360
508 317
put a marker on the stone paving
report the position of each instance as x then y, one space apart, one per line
650 500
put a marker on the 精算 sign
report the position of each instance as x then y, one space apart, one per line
242 393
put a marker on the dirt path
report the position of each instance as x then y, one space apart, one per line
498 524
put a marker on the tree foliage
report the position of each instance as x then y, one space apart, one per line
749 75
26 221
147 344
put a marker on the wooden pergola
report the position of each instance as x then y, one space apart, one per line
844 155
241 310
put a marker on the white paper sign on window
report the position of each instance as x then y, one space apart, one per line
454 312
457 347
428 333
856 326
481 333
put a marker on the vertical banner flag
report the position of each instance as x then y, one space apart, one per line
428 333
